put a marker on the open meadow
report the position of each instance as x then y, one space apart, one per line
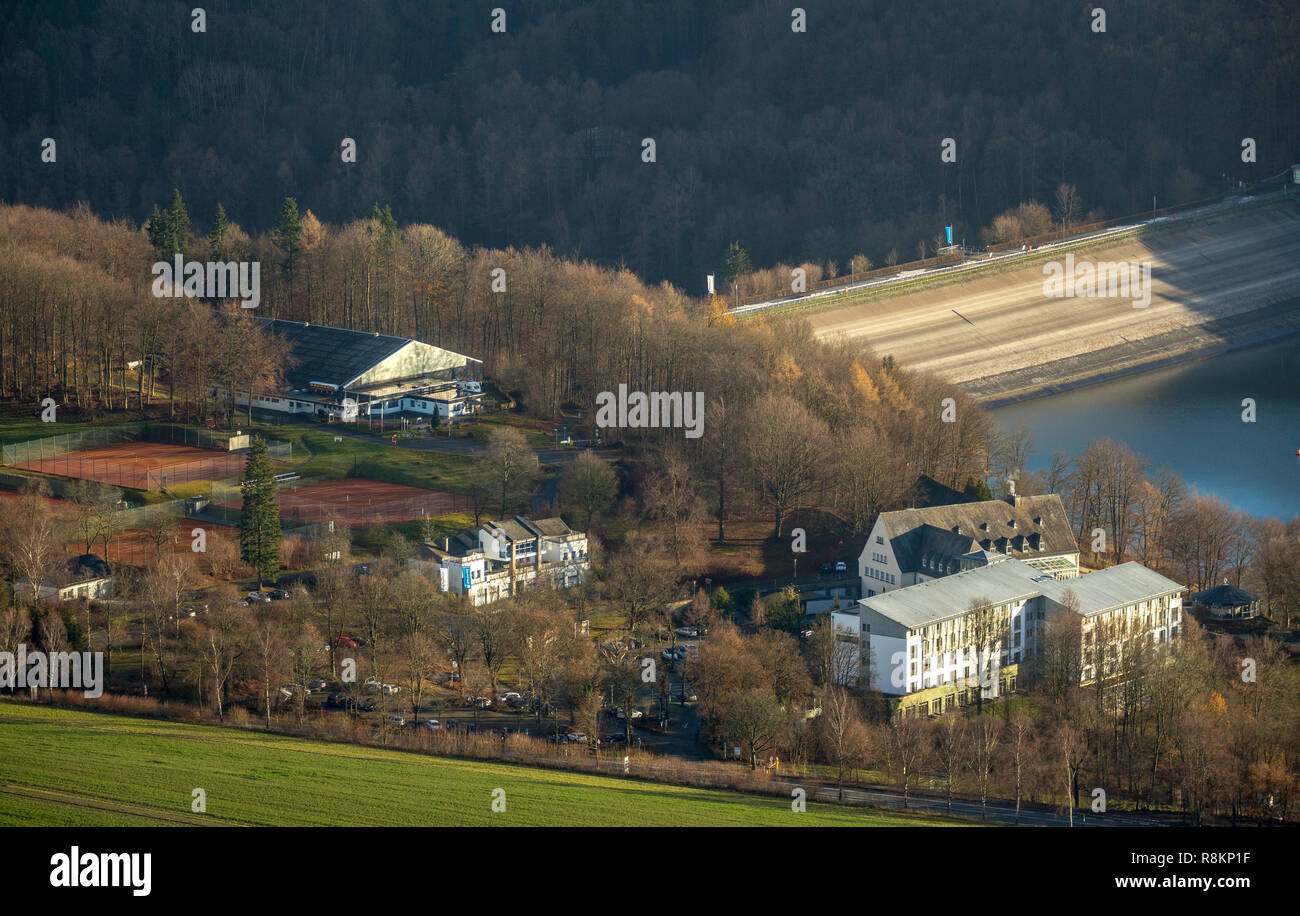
72 767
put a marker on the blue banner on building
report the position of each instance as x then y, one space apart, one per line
464 577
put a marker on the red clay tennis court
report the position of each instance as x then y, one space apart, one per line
364 502
141 465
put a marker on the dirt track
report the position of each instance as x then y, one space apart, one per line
1229 281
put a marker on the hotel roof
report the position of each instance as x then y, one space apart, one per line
1012 580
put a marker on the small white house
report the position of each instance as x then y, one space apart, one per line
84 576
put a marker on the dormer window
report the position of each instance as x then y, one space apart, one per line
984 526
1012 523
1038 519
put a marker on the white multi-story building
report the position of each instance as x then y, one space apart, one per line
916 545
961 630
498 559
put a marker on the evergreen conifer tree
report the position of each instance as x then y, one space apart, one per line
259 525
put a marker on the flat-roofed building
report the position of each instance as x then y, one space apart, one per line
499 558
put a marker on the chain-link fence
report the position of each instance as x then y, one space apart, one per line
143 468
81 441
103 436
129 471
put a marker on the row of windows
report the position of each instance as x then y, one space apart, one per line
882 576
965 670
963 697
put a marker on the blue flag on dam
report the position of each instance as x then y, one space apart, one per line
949 228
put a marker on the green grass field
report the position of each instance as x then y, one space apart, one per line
316 454
70 767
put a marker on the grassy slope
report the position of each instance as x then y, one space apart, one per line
73 767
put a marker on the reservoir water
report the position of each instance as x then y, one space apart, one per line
1188 418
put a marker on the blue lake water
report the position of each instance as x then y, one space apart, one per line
1188 419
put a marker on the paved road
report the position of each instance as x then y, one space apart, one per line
996 813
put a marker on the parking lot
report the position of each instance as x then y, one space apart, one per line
442 707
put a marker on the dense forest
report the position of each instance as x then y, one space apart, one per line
534 135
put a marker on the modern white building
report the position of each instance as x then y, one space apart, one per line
909 546
498 559
380 375
961 630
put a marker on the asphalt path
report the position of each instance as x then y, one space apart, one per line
997 812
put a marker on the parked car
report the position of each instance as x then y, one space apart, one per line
452 724
316 685
390 689
806 633
432 725
346 642
397 720
841 567
575 737
826 568
614 738
279 595
257 596
688 632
